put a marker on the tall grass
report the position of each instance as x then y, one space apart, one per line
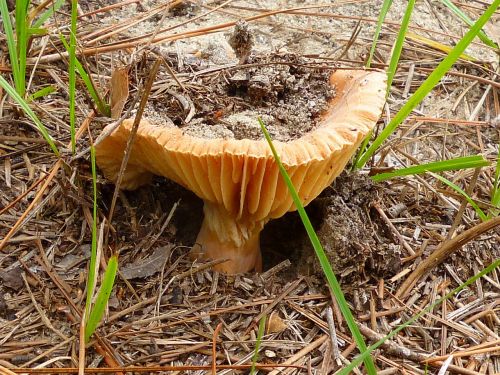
495 191
17 43
381 17
72 74
260 335
427 85
475 161
398 46
464 17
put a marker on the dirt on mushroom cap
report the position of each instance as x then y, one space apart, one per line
281 89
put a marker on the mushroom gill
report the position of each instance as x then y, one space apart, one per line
239 180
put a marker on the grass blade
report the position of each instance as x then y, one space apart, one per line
102 297
398 47
482 35
93 247
495 191
42 92
22 32
381 17
13 93
72 75
465 162
429 83
436 45
357 361
11 42
101 105
48 13
459 190
260 334
323 260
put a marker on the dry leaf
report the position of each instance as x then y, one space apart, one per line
275 324
119 91
148 266
12 279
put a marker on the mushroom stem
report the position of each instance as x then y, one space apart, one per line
223 236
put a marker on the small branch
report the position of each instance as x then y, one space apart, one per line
443 252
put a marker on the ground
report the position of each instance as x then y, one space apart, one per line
165 310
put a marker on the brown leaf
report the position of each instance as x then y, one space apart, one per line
148 266
12 279
275 324
119 91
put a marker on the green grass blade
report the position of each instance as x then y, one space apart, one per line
465 162
362 149
42 92
72 75
323 260
260 334
13 93
48 13
495 192
22 32
37 31
11 41
357 361
101 105
93 248
21 11
428 84
482 35
398 47
381 17
459 190
97 311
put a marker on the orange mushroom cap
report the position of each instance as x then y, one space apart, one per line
239 180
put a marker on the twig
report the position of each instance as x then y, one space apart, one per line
444 251
214 348
130 141
333 336
393 229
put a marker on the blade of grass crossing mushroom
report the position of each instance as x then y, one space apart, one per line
323 260
11 42
469 22
398 46
429 83
459 190
381 17
97 310
260 334
26 108
456 164
72 75
359 359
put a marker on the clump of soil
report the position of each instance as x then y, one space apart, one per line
281 89
355 243
241 40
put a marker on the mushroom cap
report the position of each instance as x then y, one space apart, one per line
241 176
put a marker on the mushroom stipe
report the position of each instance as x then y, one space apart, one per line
239 180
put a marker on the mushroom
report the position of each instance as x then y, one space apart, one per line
239 180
